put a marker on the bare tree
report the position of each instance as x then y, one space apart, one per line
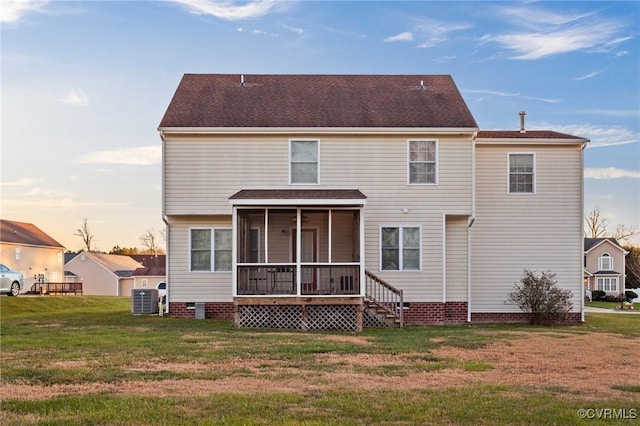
86 235
149 241
597 227
624 233
596 224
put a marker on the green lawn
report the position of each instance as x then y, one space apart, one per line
116 368
609 305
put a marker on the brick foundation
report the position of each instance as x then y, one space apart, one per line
212 310
432 313
516 317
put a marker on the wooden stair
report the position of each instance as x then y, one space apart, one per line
383 302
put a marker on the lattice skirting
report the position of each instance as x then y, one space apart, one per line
299 317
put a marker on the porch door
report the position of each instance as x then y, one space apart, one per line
308 254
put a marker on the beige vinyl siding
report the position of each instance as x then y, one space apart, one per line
456 258
514 232
96 279
201 174
34 260
185 285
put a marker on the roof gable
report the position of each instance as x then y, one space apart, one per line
119 265
309 101
25 233
591 243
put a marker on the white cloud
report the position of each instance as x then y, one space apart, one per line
14 10
22 182
547 33
405 36
232 12
588 76
600 136
513 95
610 173
75 98
296 30
140 156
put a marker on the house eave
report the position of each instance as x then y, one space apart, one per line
298 202
315 130
529 141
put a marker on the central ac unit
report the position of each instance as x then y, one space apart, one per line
144 301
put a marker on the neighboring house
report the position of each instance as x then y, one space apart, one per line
300 201
103 274
152 272
604 265
26 248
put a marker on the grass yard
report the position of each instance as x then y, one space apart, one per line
609 305
86 360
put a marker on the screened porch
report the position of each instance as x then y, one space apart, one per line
295 251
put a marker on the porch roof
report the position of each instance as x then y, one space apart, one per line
293 197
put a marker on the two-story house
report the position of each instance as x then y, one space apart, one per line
309 201
604 265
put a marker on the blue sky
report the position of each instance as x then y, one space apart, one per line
85 84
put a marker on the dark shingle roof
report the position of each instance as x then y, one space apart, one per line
347 101
589 243
298 194
529 134
25 233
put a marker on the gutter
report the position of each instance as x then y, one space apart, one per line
167 222
316 130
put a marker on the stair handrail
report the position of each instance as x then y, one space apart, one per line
385 296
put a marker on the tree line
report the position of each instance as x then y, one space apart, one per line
150 241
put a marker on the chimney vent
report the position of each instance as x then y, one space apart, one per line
421 84
522 115
242 80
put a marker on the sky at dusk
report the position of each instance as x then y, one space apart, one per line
84 85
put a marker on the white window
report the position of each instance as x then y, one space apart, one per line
211 247
400 248
304 162
522 173
423 162
18 253
609 284
605 262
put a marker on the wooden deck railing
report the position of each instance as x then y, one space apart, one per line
56 288
385 296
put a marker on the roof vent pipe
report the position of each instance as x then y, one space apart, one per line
522 114
242 80
421 84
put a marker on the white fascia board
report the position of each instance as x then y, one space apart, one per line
298 202
316 130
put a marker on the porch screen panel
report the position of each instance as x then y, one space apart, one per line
318 221
345 236
281 225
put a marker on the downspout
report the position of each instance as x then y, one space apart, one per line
166 221
582 316
472 219
444 258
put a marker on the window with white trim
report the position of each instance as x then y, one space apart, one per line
423 162
605 262
400 248
211 247
521 173
303 162
609 284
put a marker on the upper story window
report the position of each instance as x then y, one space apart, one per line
522 173
423 162
400 248
605 262
211 247
304 162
